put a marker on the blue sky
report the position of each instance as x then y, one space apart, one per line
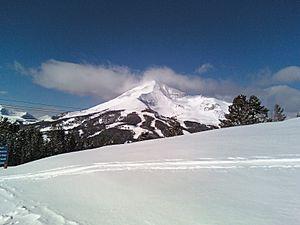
242 46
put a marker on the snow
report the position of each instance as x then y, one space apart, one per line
70 124
95 134
158 131
80 132
166 101
136 130
14 116
242 176
46 129
46 118
112 125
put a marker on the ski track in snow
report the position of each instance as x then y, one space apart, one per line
15 211
264 162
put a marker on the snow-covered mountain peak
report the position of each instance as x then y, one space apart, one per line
150 110
164 100
152 87
16 116
144 88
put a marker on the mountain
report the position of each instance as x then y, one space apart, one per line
152 110
241 175
165 101
16 116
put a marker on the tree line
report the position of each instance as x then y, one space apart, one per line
245 111
28 143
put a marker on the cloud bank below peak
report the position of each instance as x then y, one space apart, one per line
108 81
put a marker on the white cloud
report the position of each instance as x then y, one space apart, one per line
204 68
287 75
20 68
287 97
187 83
82 79
106 82
109 81
273 88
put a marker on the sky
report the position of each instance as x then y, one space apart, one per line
81 53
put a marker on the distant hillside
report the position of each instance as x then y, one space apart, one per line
16 116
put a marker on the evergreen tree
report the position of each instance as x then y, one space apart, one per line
238 112
258 113
244 112
25 144
71 144
56 143
278 114
37 144
28 143
8 136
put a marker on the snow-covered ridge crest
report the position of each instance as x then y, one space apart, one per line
16 116
153 86
166 101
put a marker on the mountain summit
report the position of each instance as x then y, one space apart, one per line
151 110
166 101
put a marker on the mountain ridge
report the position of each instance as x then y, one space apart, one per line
16 116
166 101
151 110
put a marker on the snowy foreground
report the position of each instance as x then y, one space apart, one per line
244 175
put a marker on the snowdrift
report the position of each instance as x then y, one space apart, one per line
243 175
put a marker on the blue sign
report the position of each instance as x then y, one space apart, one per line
3 155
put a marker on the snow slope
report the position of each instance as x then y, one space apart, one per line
16 116
235 176
166 101
45 118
